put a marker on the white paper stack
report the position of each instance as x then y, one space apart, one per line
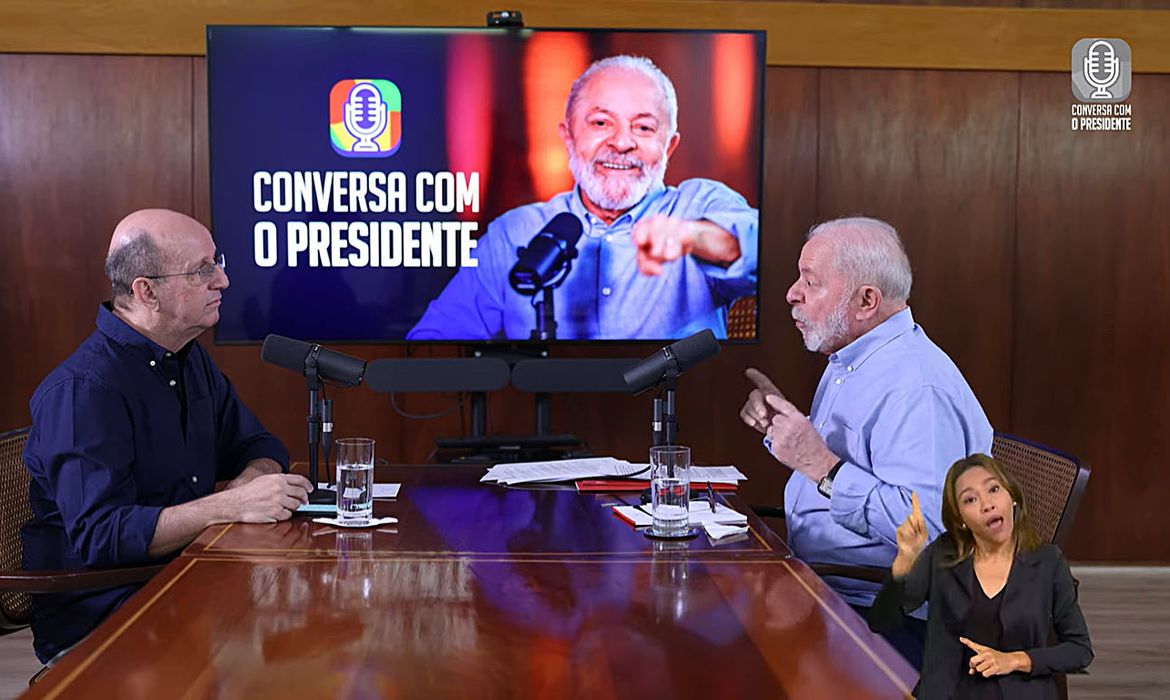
699 514
596 468
563 470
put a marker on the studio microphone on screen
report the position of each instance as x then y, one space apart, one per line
1101 68
332 366
675 359
364 116
545 260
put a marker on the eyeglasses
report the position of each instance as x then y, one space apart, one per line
203 275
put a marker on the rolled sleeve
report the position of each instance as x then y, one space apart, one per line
913 443
728 210
81 452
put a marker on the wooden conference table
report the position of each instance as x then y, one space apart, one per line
481 592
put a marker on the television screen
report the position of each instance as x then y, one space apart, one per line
485 185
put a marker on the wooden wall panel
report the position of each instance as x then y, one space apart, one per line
799 33
934 154
1092 369
83 141
1060 327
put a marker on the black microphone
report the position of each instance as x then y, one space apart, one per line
675 359
332 366
545 261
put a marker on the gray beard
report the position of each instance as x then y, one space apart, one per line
609 193
819 335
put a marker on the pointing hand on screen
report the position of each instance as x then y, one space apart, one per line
662 239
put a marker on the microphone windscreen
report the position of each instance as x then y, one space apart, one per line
677 357
565 226
647 373
285 352
694 349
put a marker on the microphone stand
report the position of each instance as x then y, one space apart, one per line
546 318
664 426
327 436
313 382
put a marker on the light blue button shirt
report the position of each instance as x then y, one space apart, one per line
604 296
898 411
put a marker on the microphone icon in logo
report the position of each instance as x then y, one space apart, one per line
1101 69
365 117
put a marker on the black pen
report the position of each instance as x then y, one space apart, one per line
711 496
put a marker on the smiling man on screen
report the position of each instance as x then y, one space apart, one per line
654 262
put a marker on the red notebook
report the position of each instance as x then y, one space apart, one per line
584 485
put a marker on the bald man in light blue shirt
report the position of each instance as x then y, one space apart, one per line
891 413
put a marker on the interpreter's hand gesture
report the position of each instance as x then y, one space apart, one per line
912 536
756 412
989 662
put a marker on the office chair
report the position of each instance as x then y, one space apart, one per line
16 584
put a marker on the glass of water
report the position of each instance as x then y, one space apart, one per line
670 490
355 480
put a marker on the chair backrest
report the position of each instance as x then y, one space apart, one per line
15 608
741 319
1053 482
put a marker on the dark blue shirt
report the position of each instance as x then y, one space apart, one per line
121 430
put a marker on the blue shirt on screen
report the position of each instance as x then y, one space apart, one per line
121 430
899 412
604 297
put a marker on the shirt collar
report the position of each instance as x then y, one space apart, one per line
577 206
857 352
123 333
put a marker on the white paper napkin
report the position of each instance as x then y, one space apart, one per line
718 532
372 522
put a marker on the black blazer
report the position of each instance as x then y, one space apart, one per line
1039 615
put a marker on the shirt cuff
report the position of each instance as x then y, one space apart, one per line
851 489
741 228
128 532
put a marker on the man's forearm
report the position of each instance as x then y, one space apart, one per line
255 468
179 525
715 244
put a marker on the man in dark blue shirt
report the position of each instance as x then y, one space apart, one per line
131 433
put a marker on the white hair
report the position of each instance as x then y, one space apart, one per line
875 257
640 64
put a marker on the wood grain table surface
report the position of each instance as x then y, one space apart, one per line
479 591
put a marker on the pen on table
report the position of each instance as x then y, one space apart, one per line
711 496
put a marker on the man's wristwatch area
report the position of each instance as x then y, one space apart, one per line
825 485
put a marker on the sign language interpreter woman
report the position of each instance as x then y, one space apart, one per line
1003 613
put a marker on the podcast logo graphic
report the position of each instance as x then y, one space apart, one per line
1102 74
365 118
1101 70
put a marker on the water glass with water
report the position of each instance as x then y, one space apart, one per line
355 480
670 490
